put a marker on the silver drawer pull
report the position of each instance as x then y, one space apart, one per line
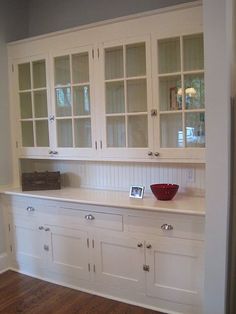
41 227
30 209
47 229
89 217
167 227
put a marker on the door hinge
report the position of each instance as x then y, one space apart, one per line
11 248
16 144
88 267
9 227
88 242
93 243
94 268
98 53
93 53
146 267
12 67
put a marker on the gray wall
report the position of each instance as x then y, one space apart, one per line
13 25
53 15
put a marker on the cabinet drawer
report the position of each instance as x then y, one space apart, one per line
170 225
71 217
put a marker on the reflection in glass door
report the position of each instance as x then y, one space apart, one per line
72 100
126 96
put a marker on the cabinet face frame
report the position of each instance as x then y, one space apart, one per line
75 152
125 152
191 154
33 150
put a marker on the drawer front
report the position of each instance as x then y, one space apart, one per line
94 219
170 225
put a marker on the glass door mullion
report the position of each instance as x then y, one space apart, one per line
32 102
182 90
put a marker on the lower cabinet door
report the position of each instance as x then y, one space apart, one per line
67 252
119 261
26 244
175 270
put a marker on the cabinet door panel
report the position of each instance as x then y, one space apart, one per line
119 261
67 253
27 241
176 270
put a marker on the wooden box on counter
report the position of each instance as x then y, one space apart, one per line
33 181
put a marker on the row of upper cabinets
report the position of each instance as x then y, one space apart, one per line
132 100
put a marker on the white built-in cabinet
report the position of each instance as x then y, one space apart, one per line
122 95
151 258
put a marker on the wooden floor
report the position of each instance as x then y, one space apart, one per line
27 295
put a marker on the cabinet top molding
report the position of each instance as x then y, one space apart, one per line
172 8
181 204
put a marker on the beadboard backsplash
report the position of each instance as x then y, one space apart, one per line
120 176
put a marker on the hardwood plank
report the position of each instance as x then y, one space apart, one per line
24 294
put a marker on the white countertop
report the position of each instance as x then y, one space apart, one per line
180 204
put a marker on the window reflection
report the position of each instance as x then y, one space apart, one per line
63 101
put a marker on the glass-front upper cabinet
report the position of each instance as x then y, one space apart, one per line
32 94
126 75
180 95
73 98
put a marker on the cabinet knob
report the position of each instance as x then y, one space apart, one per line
148 246
51 118
146 267
55 152
157 154
89 217
140 244
150 153
46 247
47 229
50 152
167 227
30 209
41 227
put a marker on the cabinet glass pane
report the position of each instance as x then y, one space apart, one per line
81 100
42 139
114 63
62 70
193 52
135 60
170 93
24 76
115 98
169 55
116 132
40 104
137 95
25 105
64 133
137 131
194 91
171 130
195 129
27 133
83 136
63 102
39 74
80 68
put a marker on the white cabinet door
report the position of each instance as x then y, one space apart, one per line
31 103
73 99
27 243
67 252
119 261
125 95
175 270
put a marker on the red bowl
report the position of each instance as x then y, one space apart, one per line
163 191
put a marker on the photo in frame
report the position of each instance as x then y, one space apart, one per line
136 191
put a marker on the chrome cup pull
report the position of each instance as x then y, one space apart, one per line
30 209
89 217
167 227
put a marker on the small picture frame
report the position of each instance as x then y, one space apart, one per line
136 191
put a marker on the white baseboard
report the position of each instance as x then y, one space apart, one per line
3 262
